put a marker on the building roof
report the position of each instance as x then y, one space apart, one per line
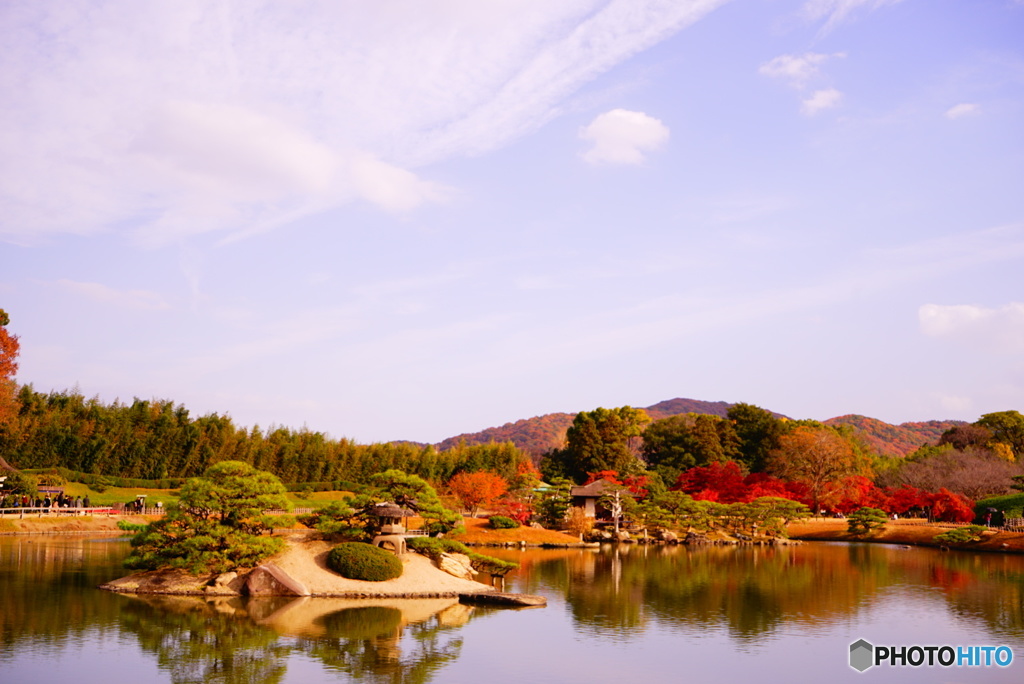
596 489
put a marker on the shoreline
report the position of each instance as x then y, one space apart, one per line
909 532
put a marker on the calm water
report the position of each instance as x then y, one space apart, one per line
635 614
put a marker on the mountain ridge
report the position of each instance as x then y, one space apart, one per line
540 434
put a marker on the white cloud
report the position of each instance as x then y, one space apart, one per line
212 115
999 329
392 188
962 109
103 294
796 69
623 137
821 100
836 12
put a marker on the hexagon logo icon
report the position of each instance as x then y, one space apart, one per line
861 655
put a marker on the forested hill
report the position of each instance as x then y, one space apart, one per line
542 433
895 440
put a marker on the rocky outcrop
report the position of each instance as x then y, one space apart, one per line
456 565
269 580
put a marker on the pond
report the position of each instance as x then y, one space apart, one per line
617 614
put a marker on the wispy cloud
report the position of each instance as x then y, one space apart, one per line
835 12
210 115
797 70
103 294
623 137
991 329
961 110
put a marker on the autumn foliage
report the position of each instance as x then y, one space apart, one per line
9 348
477 490
725 483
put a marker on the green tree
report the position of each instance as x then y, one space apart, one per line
866 520
602 439
416 494
217 525
554 502
677 443
758 432
1007 427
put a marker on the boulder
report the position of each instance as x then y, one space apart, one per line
225 584
270 580
456 565
669 537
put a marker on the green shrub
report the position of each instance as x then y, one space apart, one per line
961 535
865 520
501 522
131 527
359 561
490 565
433 547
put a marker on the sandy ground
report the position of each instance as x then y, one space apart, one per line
479 531
306 562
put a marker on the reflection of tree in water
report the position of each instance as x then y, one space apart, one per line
605 591
369 644
991 593
206 642
47 591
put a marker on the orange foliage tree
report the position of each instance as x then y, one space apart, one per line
9 347
476 490
818 457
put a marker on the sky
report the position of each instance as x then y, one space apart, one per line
411 219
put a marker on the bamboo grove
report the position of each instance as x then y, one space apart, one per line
158 440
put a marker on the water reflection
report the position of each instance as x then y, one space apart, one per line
752 592
231 641
615 597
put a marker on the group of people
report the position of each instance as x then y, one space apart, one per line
59 501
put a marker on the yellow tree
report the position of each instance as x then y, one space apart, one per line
816 456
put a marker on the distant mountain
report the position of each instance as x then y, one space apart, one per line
542 433
895 440
534 435
674 407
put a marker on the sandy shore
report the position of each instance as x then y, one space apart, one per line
306 562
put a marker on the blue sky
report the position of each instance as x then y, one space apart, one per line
409 220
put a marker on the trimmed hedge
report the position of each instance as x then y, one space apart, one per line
1011 505
358 561
501 522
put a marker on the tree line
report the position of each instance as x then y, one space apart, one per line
829 467
159 440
